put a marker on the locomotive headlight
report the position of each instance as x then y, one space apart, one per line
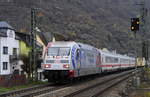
47 65
66 66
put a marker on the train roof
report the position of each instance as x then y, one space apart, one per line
86 46
114 54
61 44
70 44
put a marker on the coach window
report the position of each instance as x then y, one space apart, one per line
90 57
108 59
122 60
115 60
83 56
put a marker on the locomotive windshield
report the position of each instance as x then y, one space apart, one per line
58 51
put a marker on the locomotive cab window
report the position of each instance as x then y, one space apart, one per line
58 51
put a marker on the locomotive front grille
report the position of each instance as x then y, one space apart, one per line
49 61
53 61
64 61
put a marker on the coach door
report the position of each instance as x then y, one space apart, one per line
78 60
98 63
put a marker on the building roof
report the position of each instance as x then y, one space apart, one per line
42 36
3 28
26 38
23 36
5 25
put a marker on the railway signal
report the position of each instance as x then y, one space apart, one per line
135 24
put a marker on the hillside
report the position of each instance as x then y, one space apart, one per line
102 23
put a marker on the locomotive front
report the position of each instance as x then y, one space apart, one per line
57 62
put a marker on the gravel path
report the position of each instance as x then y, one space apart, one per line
116 91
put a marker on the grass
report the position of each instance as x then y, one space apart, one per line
3 89
147 94
144 85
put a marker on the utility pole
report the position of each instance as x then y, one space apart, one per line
33 65
143 14
33 54
143 28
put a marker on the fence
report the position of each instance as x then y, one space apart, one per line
12 80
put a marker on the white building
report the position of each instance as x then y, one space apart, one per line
9 49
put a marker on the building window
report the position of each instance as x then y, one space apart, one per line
5 65
3 30
14 51
5 50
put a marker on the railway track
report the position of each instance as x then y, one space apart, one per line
97 89
33 91
36 90
47 88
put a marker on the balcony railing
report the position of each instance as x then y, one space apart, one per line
13 58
